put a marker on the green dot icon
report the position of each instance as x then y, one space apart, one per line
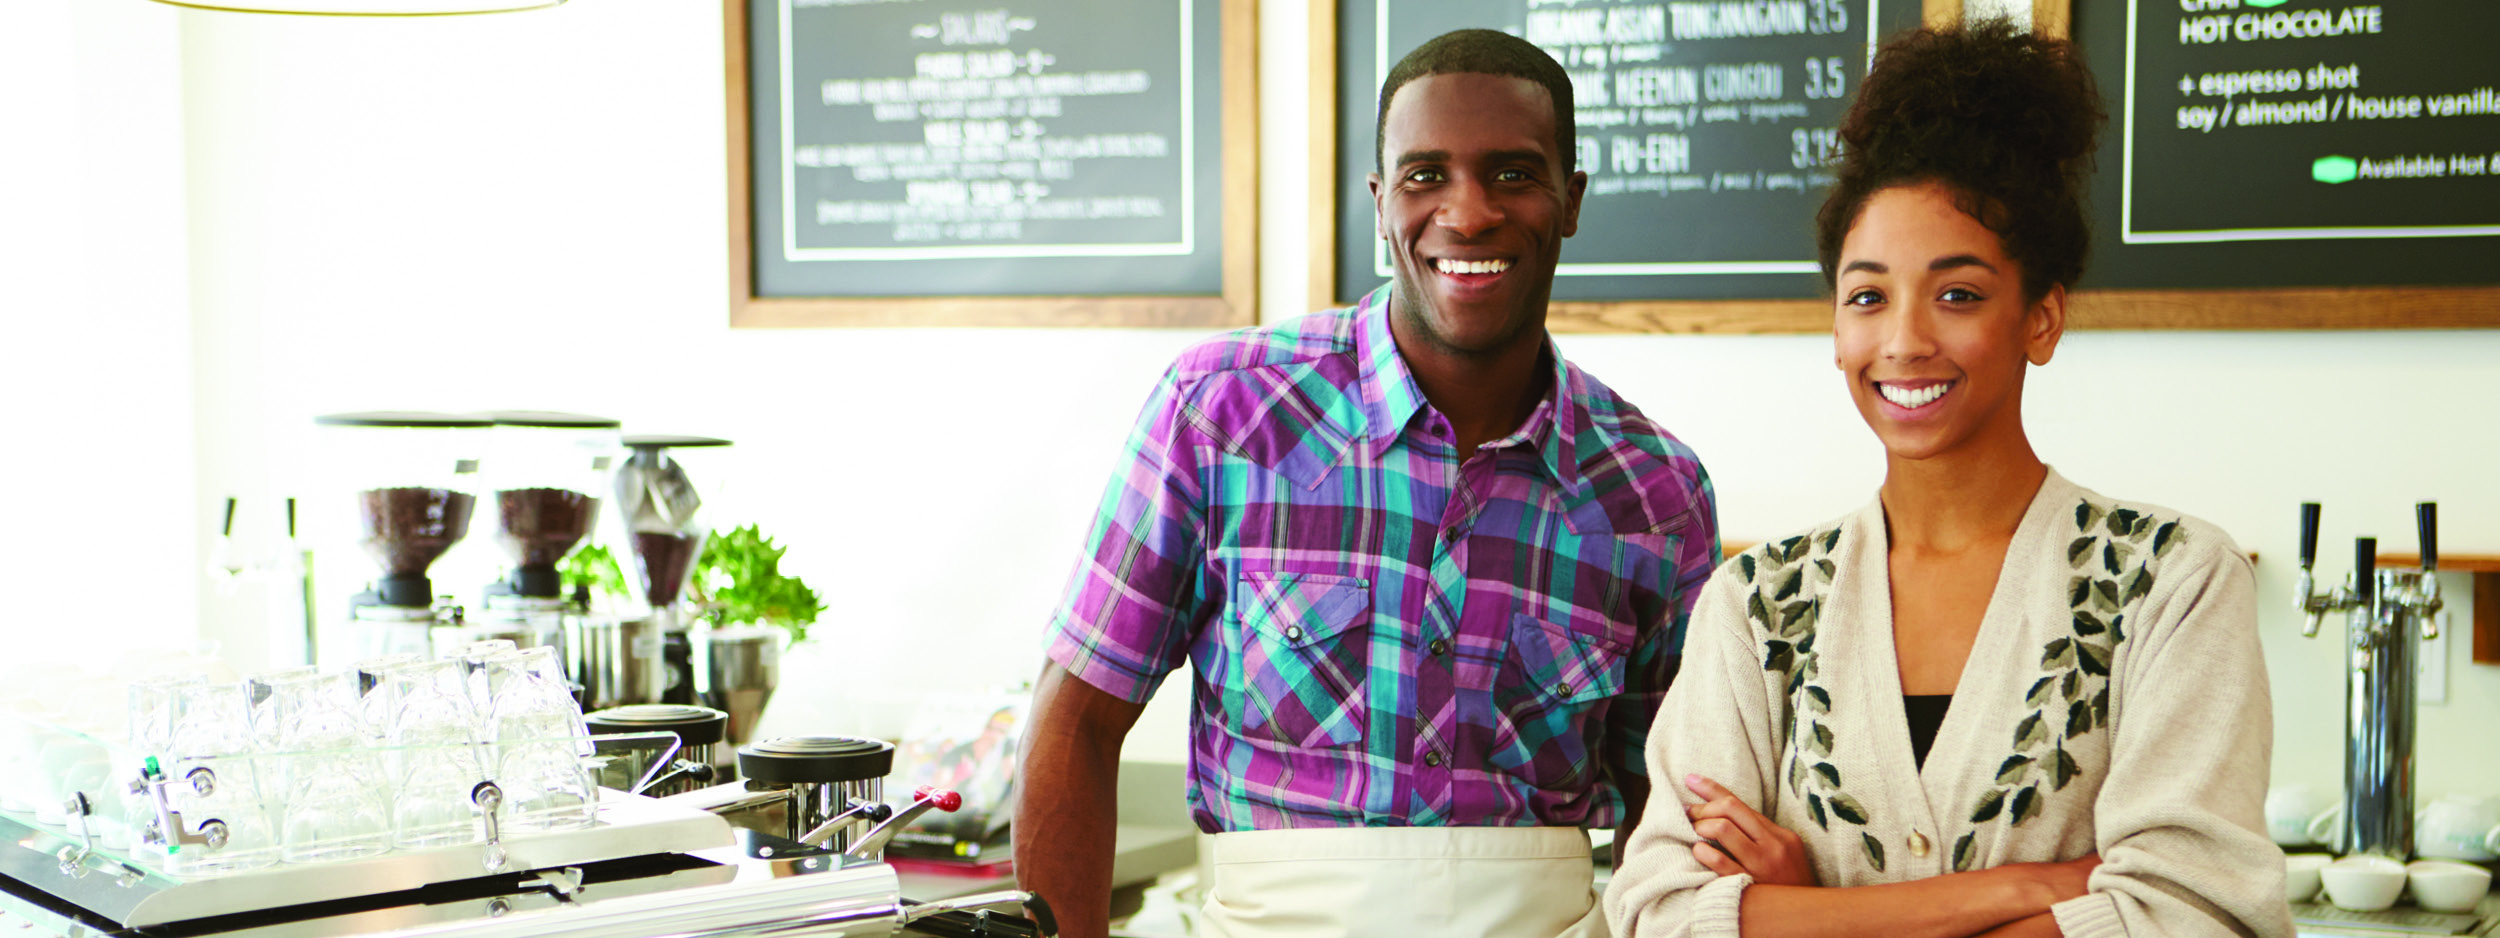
2265 4
2334 169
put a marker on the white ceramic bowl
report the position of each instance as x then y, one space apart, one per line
2300 875
2446 885
2363 884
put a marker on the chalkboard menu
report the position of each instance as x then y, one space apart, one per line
1705 127
1005 149
2292 143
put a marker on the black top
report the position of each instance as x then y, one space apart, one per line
1926 712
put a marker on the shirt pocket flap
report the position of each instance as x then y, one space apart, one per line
1303 609
1568 665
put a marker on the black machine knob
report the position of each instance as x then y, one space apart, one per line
694 726
2364 570
2426 517
2308 535
816 760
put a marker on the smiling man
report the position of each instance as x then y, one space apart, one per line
1431 578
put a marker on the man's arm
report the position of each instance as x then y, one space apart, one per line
1068 799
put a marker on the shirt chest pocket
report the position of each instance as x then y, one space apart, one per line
1305 659
1560 666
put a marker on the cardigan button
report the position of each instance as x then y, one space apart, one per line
1918 844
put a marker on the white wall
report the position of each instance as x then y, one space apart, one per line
526 211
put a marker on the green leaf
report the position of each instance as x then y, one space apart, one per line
739 577
1794 613
2075 552
2094 657
2026 804
2117 634
2109 556
2124 551
1829 772
1813 668
2066 768
1797 678
1989 805
1755 609
2078 591
1829 571
1814 806
592 564
2015 767
1962 852
1847 808
2085 514
2078 719
1831 540
1806 645
2058 653
2039 693
1791 549
2072 684
2100 708
2122 521
1819 699
1788 587
2105 595
2030 733
2141 586
1744 564
1874 850
2089 624
2164 538
1778 656
1821 742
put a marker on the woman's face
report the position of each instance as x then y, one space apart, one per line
1931 328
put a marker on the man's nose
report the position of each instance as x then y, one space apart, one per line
1468 211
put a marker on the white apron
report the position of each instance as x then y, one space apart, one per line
1407 882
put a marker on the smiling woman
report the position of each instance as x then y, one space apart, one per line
2045 712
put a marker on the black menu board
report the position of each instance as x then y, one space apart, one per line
2293 143
1000 148
1705 127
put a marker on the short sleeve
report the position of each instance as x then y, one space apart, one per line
1659 654
1134 602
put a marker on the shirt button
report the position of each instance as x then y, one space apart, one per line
1562 690
1440 646
1432 759
1918 844
1294 632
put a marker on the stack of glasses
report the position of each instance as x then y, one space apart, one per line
312 766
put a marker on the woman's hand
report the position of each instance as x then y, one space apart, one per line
1738 839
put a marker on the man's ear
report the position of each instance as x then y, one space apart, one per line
1378 226
1573 190
2044 325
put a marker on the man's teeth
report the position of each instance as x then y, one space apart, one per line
1913 398
1448 266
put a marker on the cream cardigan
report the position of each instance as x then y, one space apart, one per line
2114 700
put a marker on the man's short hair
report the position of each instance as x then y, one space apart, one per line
1481 52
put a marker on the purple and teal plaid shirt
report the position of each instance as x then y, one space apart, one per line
1382 633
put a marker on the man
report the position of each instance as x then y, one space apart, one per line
1431 577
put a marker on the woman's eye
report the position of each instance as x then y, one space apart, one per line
1960 295
1864 298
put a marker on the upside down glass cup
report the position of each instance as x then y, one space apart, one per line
541 743
336 805
216 784
435 757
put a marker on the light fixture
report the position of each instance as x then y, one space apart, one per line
365 7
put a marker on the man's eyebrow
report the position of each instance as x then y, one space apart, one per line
1961 260
1412 157
1868 266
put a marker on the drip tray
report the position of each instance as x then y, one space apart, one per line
2399 920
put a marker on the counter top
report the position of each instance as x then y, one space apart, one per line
1140 853
2320 920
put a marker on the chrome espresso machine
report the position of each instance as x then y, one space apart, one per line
192 826
2389 612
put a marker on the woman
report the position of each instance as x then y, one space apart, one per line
1991 702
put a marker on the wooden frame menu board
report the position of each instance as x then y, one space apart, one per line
1026 163
1691 192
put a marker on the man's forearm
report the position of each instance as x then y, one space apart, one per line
1067 815
1955 905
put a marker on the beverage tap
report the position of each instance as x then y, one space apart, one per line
2381 607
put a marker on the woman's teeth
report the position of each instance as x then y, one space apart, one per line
1448 266
1913 398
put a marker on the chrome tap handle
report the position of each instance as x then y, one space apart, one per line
2364 572
2426 518
872 845
860 810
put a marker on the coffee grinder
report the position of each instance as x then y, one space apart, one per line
2386 609
416 475
659 508
547 469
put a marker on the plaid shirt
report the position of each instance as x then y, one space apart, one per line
1382 633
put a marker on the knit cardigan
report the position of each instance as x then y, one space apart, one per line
2114 700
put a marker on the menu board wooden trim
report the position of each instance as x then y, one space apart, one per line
2327 308
1236 306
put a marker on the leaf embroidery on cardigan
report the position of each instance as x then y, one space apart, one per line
2111 559
1790 580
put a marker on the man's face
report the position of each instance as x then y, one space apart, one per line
1475 206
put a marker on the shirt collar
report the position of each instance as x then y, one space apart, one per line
1391 397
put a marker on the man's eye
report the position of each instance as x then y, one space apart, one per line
1512 175
1424 175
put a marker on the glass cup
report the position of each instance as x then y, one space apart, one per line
541 743
150 722
215 782
336 805
372 688
436 760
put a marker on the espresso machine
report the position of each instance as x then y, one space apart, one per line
2385 609
547 469
416 475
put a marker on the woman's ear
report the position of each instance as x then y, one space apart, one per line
2045 324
